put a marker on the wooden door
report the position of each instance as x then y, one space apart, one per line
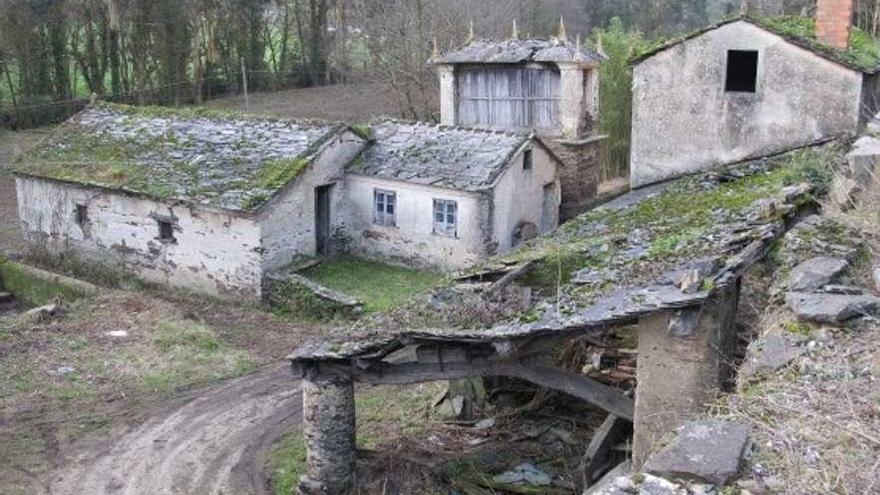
322 219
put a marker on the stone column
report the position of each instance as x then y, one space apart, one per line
571 100
681 367
447 94
329 431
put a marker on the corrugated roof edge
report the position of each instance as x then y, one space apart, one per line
812 46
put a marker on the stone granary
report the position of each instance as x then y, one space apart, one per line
547 86
214 202
750 87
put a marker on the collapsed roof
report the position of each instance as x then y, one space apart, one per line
226 161
452 157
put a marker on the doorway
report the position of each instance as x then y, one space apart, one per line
322 219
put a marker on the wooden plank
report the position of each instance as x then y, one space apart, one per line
608 398
599 456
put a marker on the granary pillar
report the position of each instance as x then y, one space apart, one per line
683 361
447 94
329 431
571 100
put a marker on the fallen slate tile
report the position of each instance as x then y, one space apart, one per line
814 273
773 353
638 484
709 451
831 308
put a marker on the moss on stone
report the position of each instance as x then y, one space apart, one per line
277 173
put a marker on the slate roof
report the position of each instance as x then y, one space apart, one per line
797 31
452 157
521 51
231 162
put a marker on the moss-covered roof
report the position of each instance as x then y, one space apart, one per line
862 55
216 159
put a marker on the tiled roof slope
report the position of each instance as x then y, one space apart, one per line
521 51
442 156
226 161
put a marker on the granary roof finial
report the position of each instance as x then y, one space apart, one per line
600 49
435 50
577 45
471 37
562 35
514 33
744 7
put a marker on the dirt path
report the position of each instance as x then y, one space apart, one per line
211 442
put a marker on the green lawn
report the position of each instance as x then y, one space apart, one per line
379 286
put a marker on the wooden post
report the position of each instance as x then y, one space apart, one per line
684 359
247 102
329 431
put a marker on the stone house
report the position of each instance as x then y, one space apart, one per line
448 196
549 86
214 202
183 199
746 88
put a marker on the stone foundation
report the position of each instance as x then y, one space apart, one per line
579 174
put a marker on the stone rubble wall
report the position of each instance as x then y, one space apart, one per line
579 176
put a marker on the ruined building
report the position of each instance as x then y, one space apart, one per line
215 203
749 87
549 86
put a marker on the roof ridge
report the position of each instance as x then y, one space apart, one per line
456 127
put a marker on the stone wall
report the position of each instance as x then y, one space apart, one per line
579 176
684 120
519 199
212 251
287 222
412 241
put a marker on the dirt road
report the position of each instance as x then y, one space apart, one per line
212 442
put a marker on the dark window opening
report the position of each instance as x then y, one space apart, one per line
742 71
527 160
166 231
82 215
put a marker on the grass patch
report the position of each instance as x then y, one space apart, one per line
36 290
379 286
863 51
286 463
187 353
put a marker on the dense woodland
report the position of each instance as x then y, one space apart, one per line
54 54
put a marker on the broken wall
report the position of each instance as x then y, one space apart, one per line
684 120
213 252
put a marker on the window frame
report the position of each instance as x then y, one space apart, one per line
448 208
528 160
383 217
737 85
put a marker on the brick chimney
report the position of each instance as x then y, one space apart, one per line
833 21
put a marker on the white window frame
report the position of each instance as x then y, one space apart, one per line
382 199
445 217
